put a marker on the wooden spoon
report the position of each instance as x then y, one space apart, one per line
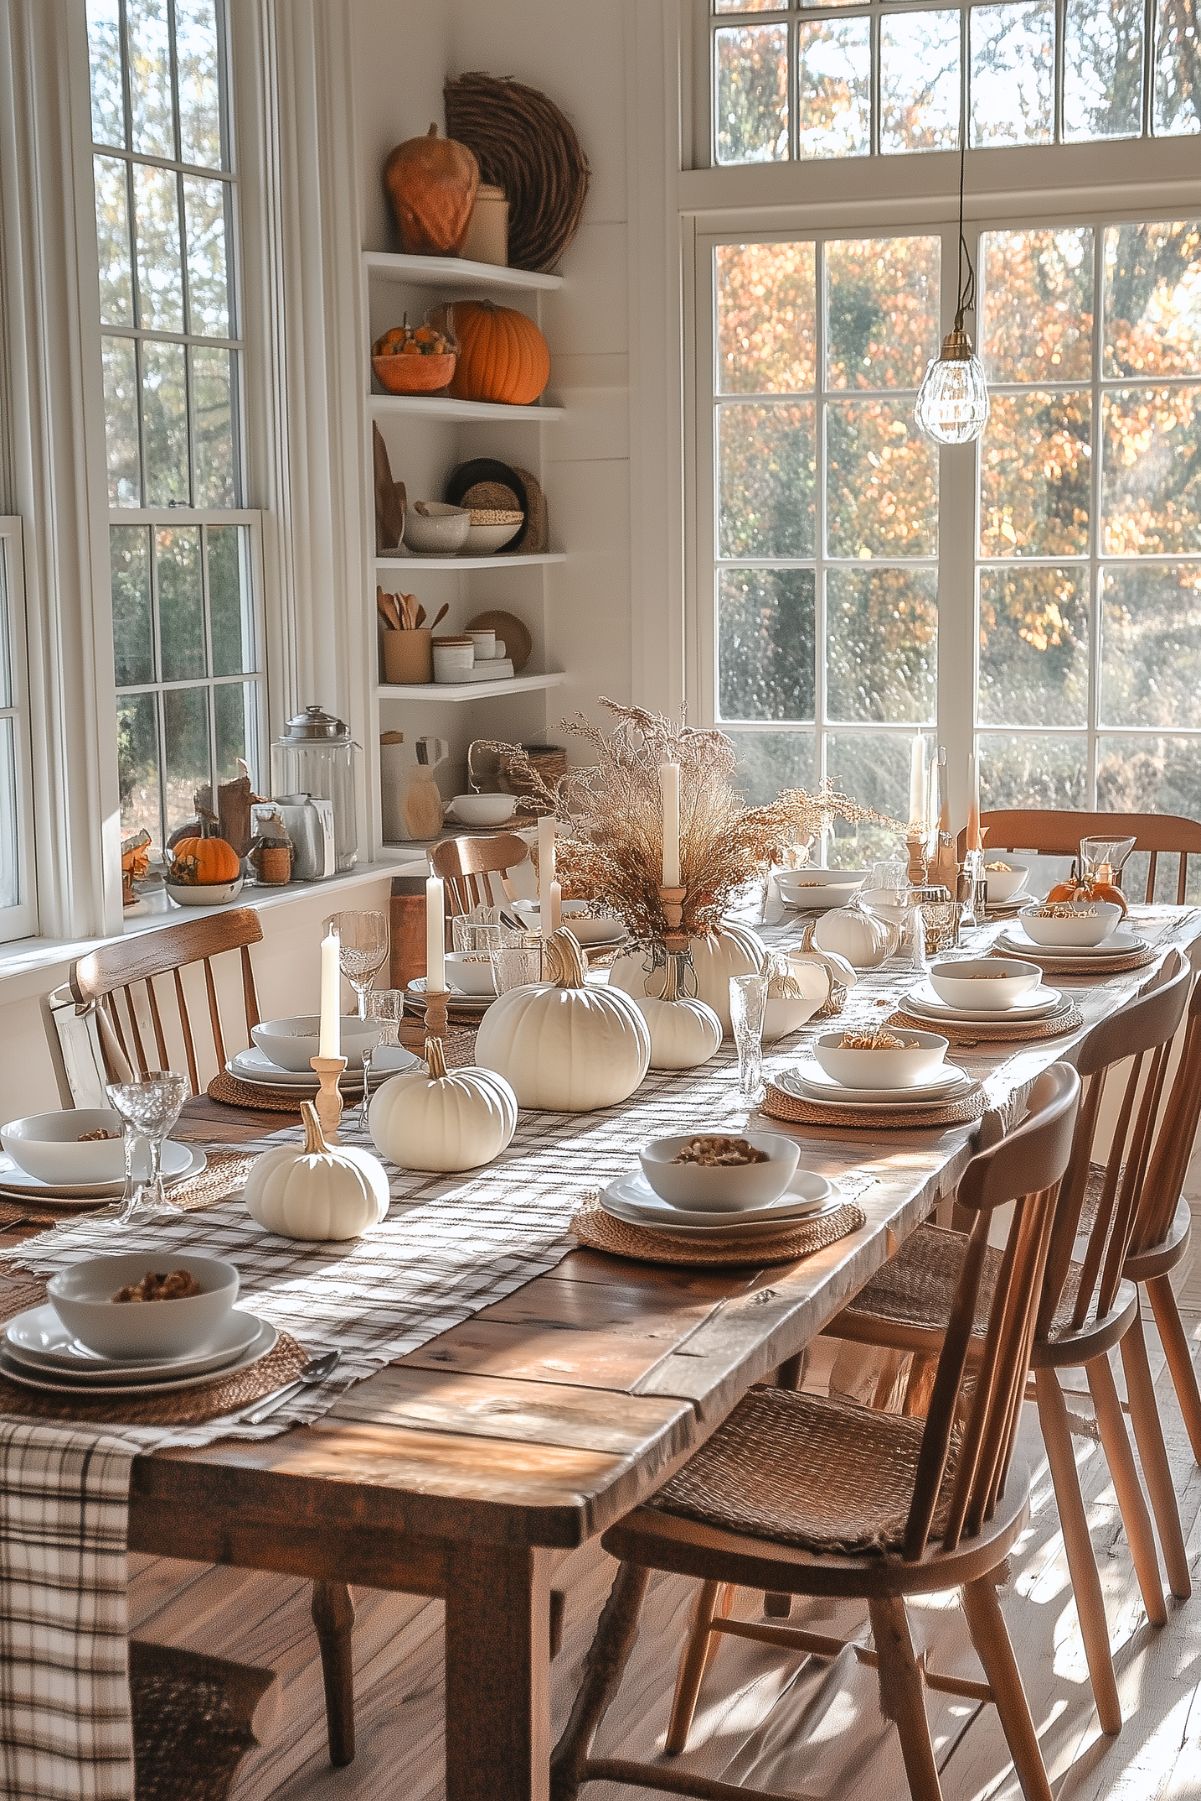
440 615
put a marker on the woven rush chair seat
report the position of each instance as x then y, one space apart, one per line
824 1475
194 1720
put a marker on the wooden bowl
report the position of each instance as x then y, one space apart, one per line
414 374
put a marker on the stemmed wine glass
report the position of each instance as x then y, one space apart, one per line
386 1006
148 1108
1102 859
363 949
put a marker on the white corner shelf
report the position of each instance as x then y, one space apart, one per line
456 272
444 406
464 565
438 692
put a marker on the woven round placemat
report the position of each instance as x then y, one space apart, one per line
459 1047
601 1232
1053 965
1067 1018
782 1105
225 1173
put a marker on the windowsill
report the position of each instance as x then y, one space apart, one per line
24 964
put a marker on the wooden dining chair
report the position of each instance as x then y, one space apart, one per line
1053 834
1088 1306
476 870
810 1495
195 1719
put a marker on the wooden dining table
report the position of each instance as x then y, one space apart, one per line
469 1469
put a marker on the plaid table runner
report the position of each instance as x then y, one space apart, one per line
450 1246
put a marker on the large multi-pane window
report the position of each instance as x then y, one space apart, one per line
187 637
797 80
17 909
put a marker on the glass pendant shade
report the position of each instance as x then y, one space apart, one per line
952 403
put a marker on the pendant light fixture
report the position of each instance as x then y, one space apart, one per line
952 403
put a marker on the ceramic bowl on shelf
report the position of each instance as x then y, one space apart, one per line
436 529
292 1043
1006 878
203 894
984 984
470 972
414 374
917 1060
720 1187
83 1298
491 528
1072 927
483 809
54 1148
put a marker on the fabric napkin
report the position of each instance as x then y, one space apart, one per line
65 1726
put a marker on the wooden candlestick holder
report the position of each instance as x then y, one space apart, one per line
435 1015
328 1099
674 939
915 844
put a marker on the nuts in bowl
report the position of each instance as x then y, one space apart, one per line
1006 877
878 1057
125 1305
719 1171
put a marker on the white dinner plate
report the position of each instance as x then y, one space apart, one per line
632 1199
60 1383
253 1067
813 1078
463 1003
1039 1003
179 1162
1121 943
39 1341
899 1099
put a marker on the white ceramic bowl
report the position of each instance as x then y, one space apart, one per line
439 531
82 1297
1084 926
484 809
470 972
203 894
714 1190
292 1043
588 928
785 1013
46 1145
984 984
819 887
1005 884
920 1061
484 536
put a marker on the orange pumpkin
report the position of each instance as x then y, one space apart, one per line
1084 891
502 355
203 862
431 183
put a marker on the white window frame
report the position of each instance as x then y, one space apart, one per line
20 920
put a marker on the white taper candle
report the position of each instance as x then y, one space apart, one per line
435 936
329 1039
669 788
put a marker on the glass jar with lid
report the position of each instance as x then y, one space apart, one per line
315 755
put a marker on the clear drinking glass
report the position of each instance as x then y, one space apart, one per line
386 1006
748 1000
518 961
478 934
148 1109
363 941
1103 859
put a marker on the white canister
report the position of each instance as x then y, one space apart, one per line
487 239
485 645
454 659
393 773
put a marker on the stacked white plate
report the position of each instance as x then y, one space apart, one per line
1120 944
632 1199
38 1351
257 1070
472 1006
179 1162
923 1003
809 1082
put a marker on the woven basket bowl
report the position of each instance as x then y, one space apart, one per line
414 374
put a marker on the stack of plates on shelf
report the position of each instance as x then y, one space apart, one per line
1039 1003
467 1008
38 1351
632 1199
256 1069
1089 959
809 1082
179 1162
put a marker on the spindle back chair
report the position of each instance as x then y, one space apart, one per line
476 870
1047 833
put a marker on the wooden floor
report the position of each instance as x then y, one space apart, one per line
766 1719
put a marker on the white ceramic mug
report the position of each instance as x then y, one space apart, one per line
485 645
454 659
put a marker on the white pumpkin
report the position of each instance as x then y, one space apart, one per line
442 1120
733 950
823 973
860 937
684 1033
317 1190
562 1044
793 997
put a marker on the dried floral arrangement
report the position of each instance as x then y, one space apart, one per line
610 844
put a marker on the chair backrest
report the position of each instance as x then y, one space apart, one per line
1025 1167
1169 1161
476 870
1107 1211
137 1006
1054 834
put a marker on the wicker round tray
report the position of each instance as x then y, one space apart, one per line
1067 1018
1054 965
601 1232
782 1105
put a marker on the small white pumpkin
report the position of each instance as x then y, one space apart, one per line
794 995
684 1033
442 1120
562 1044
733 950
317 1191
823 972
850 932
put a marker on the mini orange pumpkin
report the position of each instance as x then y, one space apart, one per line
432 183
203 862
1085 891
502 355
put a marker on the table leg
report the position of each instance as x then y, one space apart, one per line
497 1674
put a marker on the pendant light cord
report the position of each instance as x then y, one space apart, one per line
967 287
